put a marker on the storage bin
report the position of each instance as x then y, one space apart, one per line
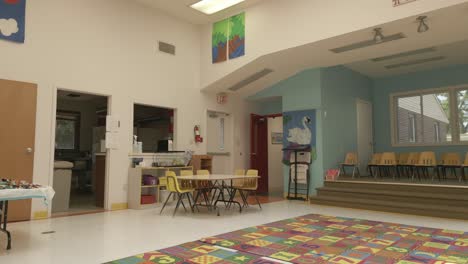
148 199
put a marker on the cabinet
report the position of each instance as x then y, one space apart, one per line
140 193
202 162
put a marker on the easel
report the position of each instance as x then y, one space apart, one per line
300 150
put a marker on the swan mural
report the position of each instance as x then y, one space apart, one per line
299 128
301 136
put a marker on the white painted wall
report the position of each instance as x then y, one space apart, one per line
276 25
108 47
275 156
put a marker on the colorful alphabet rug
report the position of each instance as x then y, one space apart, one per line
319 239
194 253
328 239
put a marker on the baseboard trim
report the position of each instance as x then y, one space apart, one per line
119 206
40 215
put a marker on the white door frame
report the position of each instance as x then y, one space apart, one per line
361 101
52 141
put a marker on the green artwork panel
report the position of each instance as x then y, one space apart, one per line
219 41
237 36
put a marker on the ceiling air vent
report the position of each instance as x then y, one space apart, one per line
252 78
414 62
166 48
368 43
405 54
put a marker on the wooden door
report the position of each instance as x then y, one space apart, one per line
17 132
259 150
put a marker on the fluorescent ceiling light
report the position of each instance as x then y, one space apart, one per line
212 6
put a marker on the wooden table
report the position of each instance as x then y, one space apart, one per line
6 195
216 179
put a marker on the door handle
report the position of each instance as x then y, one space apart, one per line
253 154
29 150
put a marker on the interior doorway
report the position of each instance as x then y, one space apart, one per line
219 141
365 135
17 138
266 152
80 153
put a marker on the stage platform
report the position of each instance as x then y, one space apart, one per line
437 200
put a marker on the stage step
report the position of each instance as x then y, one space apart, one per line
428 200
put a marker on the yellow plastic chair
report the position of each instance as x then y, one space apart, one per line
203 172
249 187
187 184
450 161
205 188
427 160
238 183
402 163
388 164
351 160
186 173
175 189
373 164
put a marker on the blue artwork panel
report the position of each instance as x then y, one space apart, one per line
12 20
299 130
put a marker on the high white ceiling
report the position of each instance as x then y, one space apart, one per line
181 9
447 27
454 54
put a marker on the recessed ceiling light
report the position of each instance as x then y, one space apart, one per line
212 6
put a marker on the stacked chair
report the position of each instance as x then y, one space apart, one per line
388 165
427 161
351 160
373 164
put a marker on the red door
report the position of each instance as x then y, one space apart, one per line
259 149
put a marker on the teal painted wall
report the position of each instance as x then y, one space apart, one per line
384 87
334 91
341 87
301 92
270 106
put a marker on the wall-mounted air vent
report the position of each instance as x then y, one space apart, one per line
414 62
252 78
405 54
368 43
167 48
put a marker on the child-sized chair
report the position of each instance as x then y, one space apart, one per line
351 160
175 189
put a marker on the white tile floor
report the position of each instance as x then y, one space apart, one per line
102 237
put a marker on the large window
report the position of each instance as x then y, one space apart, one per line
67 131
425 118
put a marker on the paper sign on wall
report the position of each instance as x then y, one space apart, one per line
112 140
112 123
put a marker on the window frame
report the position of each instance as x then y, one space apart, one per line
76 115
454 124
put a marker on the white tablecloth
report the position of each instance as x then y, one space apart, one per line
46 193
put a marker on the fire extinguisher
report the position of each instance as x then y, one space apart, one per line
198 138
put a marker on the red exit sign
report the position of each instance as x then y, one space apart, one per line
401 2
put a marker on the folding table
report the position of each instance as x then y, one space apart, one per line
219 180
6 195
